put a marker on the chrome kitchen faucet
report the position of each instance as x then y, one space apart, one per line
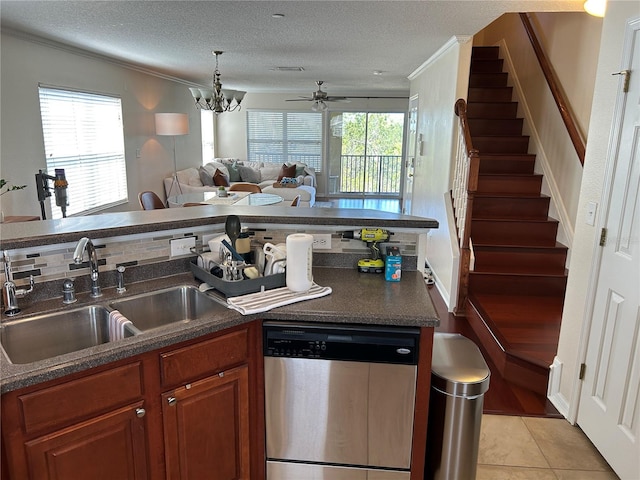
10 294
86 244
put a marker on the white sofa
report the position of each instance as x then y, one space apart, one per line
264 174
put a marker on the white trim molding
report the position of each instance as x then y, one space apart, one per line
553 389
452 42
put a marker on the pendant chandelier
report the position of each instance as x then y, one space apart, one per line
217 99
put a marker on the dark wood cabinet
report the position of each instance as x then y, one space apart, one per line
108 447
206 428
92 426
190 411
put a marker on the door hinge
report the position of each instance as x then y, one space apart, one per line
627 79
603 237
583 367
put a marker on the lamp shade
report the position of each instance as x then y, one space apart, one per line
172 124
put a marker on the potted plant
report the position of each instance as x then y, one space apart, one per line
3 182
222 192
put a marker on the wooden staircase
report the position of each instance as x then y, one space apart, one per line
516 290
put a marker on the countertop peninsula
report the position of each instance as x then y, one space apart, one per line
356 298
47 232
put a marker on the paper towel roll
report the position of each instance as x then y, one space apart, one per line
299 274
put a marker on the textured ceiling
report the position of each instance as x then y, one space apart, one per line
340 42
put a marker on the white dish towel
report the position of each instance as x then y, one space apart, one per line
277 297
117 323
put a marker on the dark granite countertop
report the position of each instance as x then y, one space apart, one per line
47 232
355 298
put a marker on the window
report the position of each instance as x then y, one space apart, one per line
208 143
83 134
365 153
281 137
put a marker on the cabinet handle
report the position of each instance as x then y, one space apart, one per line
171 401
140 412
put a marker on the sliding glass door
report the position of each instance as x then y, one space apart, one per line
365 154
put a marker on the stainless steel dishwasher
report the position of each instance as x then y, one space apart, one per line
339 401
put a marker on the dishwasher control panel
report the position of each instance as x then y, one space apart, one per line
341 342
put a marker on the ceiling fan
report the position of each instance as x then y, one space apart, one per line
319 98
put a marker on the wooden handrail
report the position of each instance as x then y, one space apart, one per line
558 96
464 233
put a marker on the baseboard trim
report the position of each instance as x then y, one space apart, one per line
553 392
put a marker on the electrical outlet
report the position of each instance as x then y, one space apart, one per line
322 241
182 246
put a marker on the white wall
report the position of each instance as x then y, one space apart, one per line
231 130
596 161
25 63
570 42
439 83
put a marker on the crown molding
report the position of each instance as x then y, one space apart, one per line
452 42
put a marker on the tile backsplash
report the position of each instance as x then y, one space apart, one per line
54 262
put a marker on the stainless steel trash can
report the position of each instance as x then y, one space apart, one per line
459 380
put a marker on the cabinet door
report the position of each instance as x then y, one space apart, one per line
206 428
109 447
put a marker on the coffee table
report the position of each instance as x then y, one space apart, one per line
233 198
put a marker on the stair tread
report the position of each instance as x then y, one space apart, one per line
494 136
508 156
505 175
557 246
515 220
526 326
522 271
510 195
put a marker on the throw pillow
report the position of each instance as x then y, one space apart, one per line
300 169
220 179
234 173
287 171
248 174
205 177
211 167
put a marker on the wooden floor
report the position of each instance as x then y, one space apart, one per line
382 204
503 397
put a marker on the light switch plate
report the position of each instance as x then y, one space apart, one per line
590 216
182 246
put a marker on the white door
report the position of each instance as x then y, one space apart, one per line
410 156
609 411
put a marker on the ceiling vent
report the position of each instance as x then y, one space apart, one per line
288 69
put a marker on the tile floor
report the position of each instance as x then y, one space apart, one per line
528 448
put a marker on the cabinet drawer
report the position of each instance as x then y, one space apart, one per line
203 359
81 398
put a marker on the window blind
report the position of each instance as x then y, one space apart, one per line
83 133
285 137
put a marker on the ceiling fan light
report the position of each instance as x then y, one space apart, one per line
319 106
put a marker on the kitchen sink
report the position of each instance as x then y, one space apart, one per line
49 335
164 307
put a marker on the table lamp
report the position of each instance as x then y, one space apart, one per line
172 124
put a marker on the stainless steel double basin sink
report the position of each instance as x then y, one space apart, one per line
48 335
